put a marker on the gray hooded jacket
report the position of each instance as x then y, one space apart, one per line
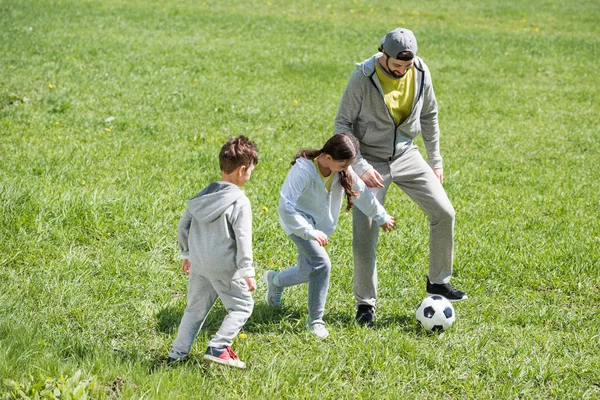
363 112
215 232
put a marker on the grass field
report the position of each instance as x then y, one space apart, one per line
112 114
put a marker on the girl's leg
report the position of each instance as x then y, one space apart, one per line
313 267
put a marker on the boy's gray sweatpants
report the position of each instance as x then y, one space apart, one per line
416 178
313 267
201 296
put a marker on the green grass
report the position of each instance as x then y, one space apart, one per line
112 114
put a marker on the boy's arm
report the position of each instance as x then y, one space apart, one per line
241 222
183 233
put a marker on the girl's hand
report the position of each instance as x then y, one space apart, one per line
321 238
185 266
251 282
389 225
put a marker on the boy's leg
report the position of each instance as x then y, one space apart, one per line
416 178
238 302
313 267
201 297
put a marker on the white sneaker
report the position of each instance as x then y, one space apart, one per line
317 328
274 292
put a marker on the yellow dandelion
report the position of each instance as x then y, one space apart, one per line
537 29
243 336
265 209
81 68
108 129
57 123
269 3
280 159
295 101
51 86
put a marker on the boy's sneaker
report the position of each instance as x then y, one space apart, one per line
317 328
364 315
273 291
224 356
446 290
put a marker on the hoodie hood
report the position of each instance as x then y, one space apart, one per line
213 200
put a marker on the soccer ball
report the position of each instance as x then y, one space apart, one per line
435 313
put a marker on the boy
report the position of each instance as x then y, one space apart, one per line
215 238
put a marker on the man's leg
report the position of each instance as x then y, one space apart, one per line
365 234
416 178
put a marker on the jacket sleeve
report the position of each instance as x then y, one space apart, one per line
295 184
348 111
241 223
183 233
366 201
429 122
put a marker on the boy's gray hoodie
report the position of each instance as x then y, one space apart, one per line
363 112
215 232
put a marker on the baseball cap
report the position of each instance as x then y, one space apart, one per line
399 40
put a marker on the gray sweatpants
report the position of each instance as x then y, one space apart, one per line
202 295
313 267
416 178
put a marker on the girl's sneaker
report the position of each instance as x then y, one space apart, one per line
317 328
224 356
273 291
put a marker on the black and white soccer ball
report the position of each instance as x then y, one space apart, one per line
435 313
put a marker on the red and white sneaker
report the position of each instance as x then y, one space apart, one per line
224 356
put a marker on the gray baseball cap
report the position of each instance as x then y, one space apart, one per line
399 40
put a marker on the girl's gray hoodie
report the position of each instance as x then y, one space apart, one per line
215 232
363 112
306 206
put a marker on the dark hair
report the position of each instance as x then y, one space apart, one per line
341 146
236 152
402 56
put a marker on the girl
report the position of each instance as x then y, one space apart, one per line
309 207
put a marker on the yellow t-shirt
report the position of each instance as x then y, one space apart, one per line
327 180
399 94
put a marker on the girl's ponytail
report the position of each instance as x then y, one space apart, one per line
346 182
344 146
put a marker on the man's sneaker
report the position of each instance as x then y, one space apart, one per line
174 361
317 328
446 290
224 356
364 315
273 291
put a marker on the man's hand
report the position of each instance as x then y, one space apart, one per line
439 172
389 225
372 179
251 282
185 266
321 238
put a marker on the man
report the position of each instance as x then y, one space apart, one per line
388 101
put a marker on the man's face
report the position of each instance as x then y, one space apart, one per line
396 68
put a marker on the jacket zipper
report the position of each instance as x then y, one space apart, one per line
390 113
